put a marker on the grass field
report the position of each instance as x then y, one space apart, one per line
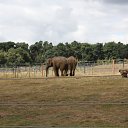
64 102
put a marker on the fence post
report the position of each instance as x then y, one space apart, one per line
92 69
123 63
84 68
42 70
15 71
113 66
34 71
6 73
29 71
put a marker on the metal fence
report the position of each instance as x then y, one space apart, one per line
23 71
84 68
102 68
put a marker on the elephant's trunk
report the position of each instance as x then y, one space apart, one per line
47 67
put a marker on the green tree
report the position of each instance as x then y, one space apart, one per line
110 50
5 46
3 59
68 49
2 46
46 46
14 58
38 50
98 53
35 50
24 54
49 53
87 52
122 50
125 52
76 46
22 45
47 50
17 56
60 48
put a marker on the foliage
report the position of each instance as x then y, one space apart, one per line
3 59
12 53
13 57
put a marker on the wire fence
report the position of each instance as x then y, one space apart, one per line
42 126
64 104
84 68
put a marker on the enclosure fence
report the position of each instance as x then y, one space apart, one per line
84 68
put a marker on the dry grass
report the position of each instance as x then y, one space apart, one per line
31 72
60 102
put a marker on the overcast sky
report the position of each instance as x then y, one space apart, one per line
64 21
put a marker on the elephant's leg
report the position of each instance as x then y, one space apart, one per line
70 70
62 74
65 72
56 71
73 73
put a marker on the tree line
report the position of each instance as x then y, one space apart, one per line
12 53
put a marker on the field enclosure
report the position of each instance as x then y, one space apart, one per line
62 102
83 69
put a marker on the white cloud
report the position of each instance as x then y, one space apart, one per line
63 20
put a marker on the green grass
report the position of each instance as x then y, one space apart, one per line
70 95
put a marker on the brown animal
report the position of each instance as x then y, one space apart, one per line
58 63
72 62
123 72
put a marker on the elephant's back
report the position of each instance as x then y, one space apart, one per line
72 60
60 61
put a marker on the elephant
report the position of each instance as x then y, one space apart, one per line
72 62
58 63
123 72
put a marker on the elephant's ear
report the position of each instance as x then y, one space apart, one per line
50 61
